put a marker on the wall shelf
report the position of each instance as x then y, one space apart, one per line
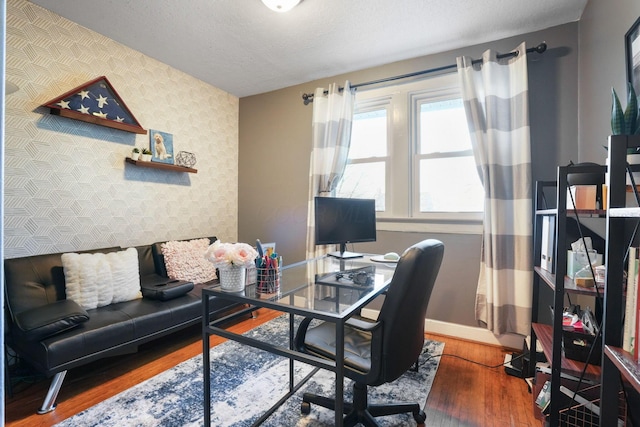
158 165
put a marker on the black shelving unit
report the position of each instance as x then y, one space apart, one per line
550 336
616 361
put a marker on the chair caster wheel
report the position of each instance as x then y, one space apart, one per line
305 408
420 417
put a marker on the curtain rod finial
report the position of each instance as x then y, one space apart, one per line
307 98
541 47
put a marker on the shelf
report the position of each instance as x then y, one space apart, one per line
158 165
544 334
581 212
626 364
569 285
624 212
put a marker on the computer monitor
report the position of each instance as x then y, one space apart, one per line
344 220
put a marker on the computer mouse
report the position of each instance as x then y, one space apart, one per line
391 256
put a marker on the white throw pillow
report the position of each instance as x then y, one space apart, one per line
185 260
125 275
97 279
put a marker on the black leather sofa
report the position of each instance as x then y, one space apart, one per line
53 334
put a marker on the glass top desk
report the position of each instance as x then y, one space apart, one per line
300 294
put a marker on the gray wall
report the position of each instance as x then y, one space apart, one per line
275 145
602 66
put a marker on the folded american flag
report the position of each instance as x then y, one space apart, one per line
96 102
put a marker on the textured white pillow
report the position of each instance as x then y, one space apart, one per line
95 280
83 274
125 275
185 260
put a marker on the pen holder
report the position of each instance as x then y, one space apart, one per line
268 280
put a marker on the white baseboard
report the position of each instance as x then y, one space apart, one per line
472 333
464 332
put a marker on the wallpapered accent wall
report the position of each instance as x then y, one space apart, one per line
67 186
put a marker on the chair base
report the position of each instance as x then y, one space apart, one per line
360 411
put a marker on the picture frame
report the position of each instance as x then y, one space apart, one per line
161 146
632 49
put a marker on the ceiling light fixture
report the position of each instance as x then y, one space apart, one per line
281 5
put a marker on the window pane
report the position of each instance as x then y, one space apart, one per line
369 135
450 185
364 181
443 127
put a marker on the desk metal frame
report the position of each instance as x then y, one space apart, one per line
338 318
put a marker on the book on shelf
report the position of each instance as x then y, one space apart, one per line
636 353
631 303
636 308
547 250
544 397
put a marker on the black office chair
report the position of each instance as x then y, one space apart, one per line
378 352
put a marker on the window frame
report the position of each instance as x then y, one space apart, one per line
402 102
451 90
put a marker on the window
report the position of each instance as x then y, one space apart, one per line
411 152
365 174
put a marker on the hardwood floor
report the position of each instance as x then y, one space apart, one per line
463 393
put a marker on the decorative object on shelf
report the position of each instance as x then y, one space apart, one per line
146 155
582 255
186 159
231 260
96 102
162 146
632 48
585 189
135 153
625 122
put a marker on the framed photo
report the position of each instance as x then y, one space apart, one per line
632 48
161 146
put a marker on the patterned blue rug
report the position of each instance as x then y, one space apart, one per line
245 382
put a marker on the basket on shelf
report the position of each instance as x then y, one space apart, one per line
586 409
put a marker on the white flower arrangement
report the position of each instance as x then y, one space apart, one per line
225 255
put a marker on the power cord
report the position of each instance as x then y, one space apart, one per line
431 356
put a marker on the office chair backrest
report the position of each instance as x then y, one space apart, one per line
405 306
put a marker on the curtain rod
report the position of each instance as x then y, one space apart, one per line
308 97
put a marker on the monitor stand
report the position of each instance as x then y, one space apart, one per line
344 254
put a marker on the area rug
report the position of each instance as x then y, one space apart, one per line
245 383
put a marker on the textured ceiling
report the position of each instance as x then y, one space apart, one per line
244 48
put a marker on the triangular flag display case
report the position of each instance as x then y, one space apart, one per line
96 102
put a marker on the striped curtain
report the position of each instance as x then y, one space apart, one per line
496 100
331 124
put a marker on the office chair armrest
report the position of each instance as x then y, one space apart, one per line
363 324
301 333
